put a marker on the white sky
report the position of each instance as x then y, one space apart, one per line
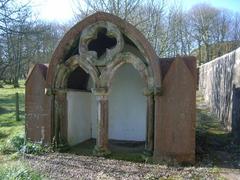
62 10
53 10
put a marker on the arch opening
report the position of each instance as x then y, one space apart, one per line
127 108
78 80
81 108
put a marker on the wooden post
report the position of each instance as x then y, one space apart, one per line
17 107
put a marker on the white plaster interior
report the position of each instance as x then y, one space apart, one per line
94 116
127 106
127 109
80 115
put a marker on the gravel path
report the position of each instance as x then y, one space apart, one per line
69 166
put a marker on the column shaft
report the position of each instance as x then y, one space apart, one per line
150 123
102 119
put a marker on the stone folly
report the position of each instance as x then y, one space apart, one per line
106 82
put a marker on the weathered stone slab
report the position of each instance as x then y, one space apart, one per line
38 124
175 126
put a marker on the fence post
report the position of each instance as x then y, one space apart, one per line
17 107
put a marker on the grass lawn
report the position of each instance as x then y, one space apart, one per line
9 127
12 166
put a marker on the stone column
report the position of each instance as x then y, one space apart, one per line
101 147
150 122
60 117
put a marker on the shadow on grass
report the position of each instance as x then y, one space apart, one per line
214 144
4 110
8 110
11 98
3 135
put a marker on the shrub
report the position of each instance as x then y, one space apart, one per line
18 171
18 144
33 148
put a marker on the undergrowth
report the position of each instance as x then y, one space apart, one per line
19 144
18 171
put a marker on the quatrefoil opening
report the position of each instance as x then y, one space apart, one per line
102 42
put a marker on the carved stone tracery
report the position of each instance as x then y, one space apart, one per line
101 66
91 34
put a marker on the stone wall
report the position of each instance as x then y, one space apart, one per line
219 82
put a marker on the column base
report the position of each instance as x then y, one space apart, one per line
63 147
147 153
98 151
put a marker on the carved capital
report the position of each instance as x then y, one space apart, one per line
54 91
158 91
148 92
49 91
100 91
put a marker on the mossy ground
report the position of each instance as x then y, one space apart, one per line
87 148
214 144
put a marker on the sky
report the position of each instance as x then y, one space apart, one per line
233 5
62 10
53 10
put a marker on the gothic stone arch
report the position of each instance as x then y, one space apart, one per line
101 64
100 44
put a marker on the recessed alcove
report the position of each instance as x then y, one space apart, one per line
127 106
78 79
81 107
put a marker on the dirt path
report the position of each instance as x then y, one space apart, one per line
69 166
231 174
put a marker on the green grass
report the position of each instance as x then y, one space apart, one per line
11 165
214 143
18 170
9 127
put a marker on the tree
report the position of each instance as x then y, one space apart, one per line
23 41
203 17
235 29
13 18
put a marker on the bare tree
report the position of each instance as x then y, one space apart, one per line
147 16
120 8
235 29
23 41
203 17
13 16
